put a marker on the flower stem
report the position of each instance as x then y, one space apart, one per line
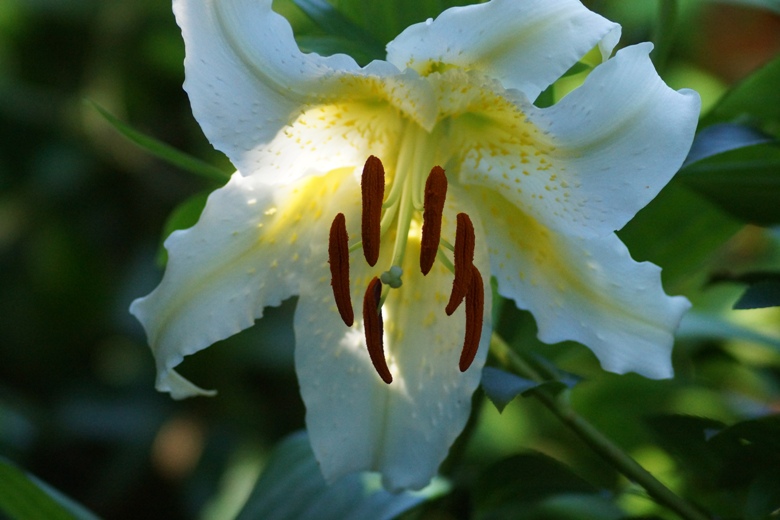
594 438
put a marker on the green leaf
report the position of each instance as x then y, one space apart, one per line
678 231
385 20
755 98
713 326
518 481
164 151
744 182
763 288
685 438
184 216
573 506
750 449
502 387
23 497
760 295
343 35
762 500
292 488
723 137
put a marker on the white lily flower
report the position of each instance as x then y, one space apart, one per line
545 190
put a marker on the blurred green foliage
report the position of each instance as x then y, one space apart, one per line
82 211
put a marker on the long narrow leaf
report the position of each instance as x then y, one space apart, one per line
164 151
23 497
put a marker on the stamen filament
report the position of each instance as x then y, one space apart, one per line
475 308
433 208
404 221
442 257
418 177
372 186
338 258
464 260
374 328
402 167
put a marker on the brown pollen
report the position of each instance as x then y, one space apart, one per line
374 327
372 186
338 258
475 308
464 262
433 207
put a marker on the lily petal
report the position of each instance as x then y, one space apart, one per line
589 163
586 290
244 254
355 420
525 45
246 77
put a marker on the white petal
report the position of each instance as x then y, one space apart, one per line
601 154
623 135
357 422
526 45
586 290
245 253
246 77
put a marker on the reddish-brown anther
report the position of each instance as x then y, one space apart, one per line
338 258
433 207
475 308
372 186
372 322
464 261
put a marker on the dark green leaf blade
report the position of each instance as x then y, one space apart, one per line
755 98
23 497
183 216
292 488
385 20
678 231
744 182
502 387
164 151
345 36
518 482
685 438
760 295
723 137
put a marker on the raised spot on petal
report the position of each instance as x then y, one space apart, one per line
475 308
372 185
374 328
433 207
464 262
338 258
